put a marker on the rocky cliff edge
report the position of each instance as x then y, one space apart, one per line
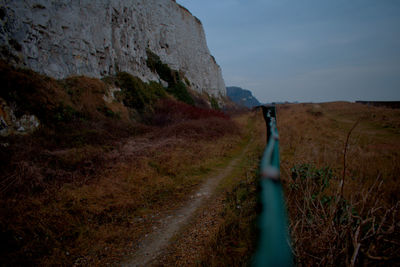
102 37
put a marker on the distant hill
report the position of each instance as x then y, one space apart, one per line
242 96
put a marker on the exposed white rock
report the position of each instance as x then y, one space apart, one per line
9 124
96 38
110 97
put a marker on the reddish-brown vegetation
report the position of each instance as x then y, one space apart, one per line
81 188
169 111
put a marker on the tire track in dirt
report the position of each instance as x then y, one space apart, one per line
154 243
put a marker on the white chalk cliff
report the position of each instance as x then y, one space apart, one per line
99 37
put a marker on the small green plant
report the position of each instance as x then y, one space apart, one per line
156 90
317 179
135 95
187 81
66 113
181 93
176 86
108 112
138 94
156 65
214 103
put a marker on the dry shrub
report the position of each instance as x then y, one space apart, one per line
31 92
53 102
86 94
208 129
177 119
72 152
358 226
328 229
168 111
315 111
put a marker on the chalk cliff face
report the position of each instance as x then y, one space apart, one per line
97 38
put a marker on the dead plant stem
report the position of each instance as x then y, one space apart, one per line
344 158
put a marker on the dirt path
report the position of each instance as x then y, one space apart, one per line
154 243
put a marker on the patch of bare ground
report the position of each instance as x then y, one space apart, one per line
152 245
186 249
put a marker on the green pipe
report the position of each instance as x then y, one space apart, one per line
274 243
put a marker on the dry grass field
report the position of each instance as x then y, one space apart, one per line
96 216
340 165
93 180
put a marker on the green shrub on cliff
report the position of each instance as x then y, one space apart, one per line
181 93
176 86
214 103
138 94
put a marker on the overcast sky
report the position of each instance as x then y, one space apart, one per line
308 50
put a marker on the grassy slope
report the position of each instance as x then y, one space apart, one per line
85 185
360 226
